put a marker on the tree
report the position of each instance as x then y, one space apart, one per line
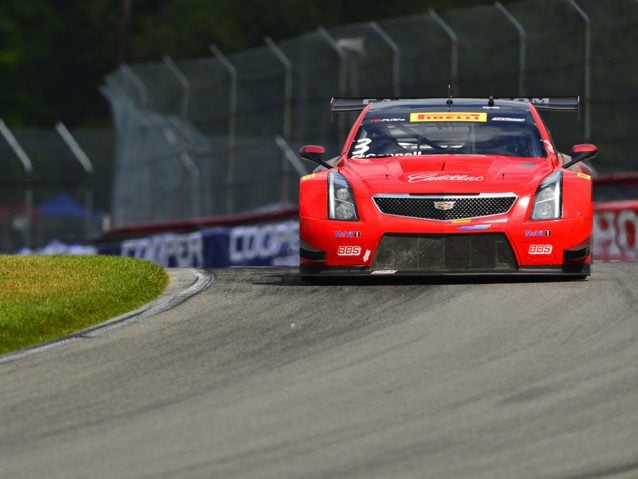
54 54
27 31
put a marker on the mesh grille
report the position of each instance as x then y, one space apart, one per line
444 207
459 253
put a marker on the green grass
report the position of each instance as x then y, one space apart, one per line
47 297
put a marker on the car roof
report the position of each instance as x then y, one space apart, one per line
458 104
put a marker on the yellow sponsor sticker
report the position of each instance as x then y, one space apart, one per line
435 116
307 177
460 222
583 175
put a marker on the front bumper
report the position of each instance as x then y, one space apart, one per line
497 246
567 271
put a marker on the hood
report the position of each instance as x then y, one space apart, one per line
437 174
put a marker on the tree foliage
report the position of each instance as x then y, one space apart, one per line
55 53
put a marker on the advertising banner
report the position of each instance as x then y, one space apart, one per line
268 244
615 231
277 244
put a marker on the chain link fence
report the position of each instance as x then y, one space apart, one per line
218 135
47 193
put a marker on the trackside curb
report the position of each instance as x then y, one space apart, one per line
183 284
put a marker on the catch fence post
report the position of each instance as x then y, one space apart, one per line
522 46
86 164
183 154
28 177
454 50
287 121
587 68
343 80
139 84
232 125
396 65
290 155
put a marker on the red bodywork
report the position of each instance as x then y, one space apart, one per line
555 246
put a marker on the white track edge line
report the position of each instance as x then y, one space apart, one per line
202 281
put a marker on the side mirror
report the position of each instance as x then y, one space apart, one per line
581 153
315 153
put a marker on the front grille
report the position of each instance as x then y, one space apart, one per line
458 253
444 207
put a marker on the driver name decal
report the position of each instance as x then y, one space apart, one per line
423 177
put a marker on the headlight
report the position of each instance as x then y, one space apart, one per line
547 202
341 204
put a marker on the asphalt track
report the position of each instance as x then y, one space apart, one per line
261 376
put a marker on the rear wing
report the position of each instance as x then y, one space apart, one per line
339 105
560 103
554 103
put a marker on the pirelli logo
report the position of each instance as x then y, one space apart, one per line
448 116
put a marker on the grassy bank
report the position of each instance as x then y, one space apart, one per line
48 297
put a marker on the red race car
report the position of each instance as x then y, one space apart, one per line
447 186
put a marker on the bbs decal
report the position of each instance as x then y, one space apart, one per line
540 249
349 251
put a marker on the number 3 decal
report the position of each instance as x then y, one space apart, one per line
361 148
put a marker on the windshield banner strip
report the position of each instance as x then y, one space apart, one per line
448 116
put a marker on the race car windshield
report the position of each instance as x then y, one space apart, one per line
431 134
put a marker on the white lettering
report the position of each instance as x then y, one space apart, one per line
605 246
540 249
349 251
423 177
361 148
627 224
183 251
508 118
616 234
279 240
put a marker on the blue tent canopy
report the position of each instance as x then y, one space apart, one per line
63 205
